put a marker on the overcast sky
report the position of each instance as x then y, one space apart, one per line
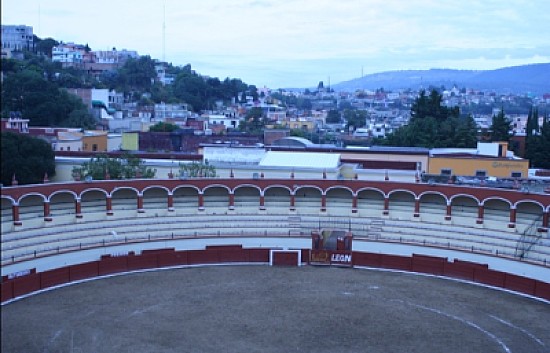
297 43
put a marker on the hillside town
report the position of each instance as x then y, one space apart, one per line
262 119
275 176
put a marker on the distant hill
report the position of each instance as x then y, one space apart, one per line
534 78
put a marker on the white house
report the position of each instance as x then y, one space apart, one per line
68 54
68 141
230 121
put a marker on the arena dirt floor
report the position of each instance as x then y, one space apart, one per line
275 309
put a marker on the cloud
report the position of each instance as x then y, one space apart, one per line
301 40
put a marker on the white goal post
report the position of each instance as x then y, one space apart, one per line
278 257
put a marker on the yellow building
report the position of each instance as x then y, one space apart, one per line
300 123
130 141
94 141
479 166
488 160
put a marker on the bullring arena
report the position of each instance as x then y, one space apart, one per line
181 265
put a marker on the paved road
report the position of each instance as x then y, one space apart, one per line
275 309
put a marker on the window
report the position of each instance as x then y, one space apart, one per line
94 147
481 173
446 171
516 174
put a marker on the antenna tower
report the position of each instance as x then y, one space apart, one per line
39 15
164 32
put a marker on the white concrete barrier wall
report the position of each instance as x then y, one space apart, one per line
76 257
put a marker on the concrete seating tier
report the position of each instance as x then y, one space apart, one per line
26 242
127 225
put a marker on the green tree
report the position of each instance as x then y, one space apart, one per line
303 103
501 127
191 89
126 167
355 118
44 46
163 93
41 101
532 131
79 118
254 122
231 88
541 146
419 133
136 75
466 133
139 73
333 117
197 170
28 158
434 125
10 65
253 91
430 106
532 127
163 127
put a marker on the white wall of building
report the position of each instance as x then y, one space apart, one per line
228 122
114 142
488 149
226 154
17 38
68 145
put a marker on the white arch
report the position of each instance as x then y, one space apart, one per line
44 199
368 188
339 187
434 192
280 186
197 189
156 187
497 198
298 187
211 186
93 189
62 191
252 186
464 195
13 202
118 188
529 201
402 190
